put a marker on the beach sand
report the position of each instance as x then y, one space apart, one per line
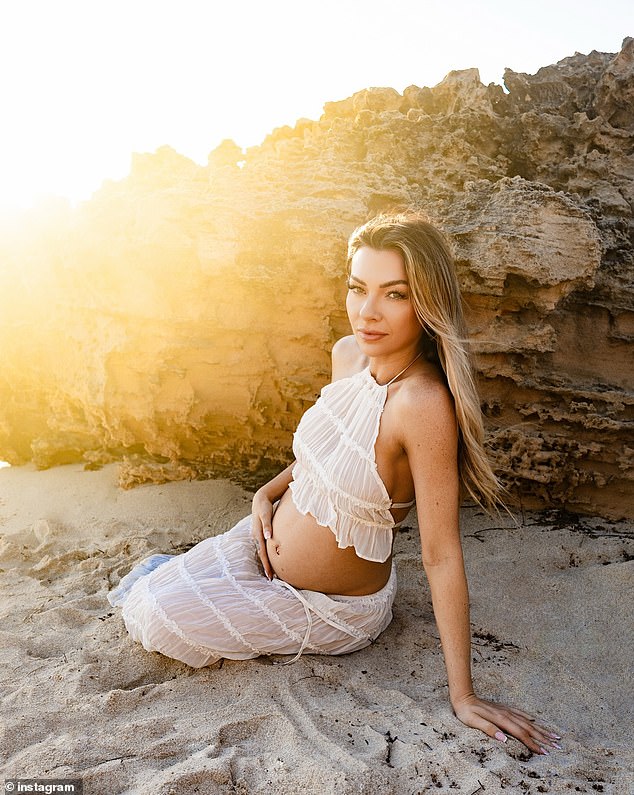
551 616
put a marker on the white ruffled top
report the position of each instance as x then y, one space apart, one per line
335 477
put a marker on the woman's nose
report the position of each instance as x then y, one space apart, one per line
369 308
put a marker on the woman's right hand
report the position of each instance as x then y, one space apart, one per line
262 528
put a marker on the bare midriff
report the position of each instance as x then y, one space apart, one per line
306 555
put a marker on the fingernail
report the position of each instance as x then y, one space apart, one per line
544 751
555 745
554 736
501 737
267 533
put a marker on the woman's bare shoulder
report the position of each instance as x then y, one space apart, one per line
347 358
425 403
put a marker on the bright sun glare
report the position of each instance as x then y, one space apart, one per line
87 84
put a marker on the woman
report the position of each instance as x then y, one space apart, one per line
400 420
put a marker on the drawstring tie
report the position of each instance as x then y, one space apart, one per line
309 609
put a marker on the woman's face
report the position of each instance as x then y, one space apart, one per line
379 304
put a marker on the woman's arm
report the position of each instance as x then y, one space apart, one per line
431 444
262 513
276 487
430 439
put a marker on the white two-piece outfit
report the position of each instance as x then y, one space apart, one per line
215 601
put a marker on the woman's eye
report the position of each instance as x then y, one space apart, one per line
354 288
397 295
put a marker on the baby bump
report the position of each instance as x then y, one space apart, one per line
306 555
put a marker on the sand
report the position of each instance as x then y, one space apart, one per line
551 606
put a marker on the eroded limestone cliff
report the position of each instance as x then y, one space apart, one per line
182 318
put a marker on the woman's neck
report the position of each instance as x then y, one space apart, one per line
386 368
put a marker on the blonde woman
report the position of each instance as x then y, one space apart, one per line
311 569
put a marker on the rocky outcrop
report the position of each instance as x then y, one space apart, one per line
181 320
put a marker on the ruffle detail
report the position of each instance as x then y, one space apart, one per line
214 601
335 478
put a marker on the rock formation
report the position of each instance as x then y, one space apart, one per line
181 320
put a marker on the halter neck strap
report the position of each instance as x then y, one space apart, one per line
398 375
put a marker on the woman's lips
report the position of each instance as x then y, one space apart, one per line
370 336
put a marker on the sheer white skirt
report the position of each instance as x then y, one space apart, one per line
215 601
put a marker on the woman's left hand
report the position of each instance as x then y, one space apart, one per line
498 721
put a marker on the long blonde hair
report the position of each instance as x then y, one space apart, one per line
437 301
